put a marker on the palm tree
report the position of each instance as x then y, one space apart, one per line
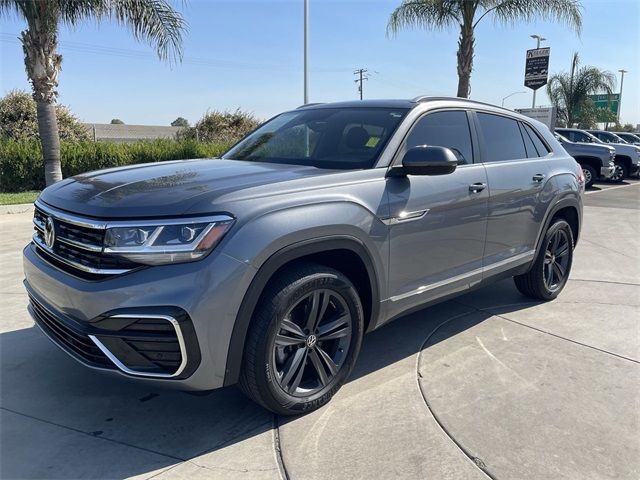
467 14
568 91
152 21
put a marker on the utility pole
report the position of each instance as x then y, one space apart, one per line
362 76
622 72
539 39
306 51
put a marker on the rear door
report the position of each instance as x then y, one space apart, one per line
437 223
517 174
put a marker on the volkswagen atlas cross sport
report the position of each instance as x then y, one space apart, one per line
266 267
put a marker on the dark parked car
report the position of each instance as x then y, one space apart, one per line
597 161
267 266
627 159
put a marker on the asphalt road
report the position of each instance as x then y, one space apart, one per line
487 385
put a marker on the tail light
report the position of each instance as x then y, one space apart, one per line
579 174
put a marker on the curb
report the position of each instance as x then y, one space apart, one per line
15 209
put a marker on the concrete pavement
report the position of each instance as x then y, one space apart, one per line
489 383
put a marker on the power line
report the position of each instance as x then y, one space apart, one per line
362 74
187 60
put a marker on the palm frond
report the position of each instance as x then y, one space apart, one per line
153 21
568 12
430 14
569 91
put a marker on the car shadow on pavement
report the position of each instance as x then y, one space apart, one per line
46 397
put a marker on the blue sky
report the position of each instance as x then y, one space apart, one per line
248 54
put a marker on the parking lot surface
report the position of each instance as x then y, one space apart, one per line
486 385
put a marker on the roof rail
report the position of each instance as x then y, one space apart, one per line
424 98
309 105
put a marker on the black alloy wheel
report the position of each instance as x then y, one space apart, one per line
550 270
312 342
303 340
556 260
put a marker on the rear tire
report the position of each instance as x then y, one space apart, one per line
552 266
590 175
303 340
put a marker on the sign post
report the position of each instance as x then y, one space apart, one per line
536 69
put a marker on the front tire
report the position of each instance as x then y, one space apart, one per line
552 266
303 341
589 175
620 173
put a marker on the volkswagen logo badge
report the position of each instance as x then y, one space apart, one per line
311 341
49 233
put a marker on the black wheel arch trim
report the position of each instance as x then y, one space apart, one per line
561 204
276 261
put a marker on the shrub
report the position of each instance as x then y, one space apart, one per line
216 126
19 119
21 166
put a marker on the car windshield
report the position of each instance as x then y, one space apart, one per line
629 137
609 137
561 138
334 138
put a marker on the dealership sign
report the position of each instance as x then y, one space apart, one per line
536 68
546 115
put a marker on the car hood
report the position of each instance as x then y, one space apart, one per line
587 149
167 188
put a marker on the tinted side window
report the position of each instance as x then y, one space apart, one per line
502 138
541 148
444 129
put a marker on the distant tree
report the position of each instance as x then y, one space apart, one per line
569 91
216 126
466 14
19 119
117 121
180 122
153 21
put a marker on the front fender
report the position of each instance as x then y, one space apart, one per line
268 243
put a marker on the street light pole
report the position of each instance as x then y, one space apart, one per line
539 39
306 51
510 95
622 72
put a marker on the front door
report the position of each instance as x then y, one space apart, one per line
437 223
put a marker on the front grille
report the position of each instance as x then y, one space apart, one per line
71 339
78 248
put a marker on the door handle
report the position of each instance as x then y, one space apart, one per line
477 187
538 177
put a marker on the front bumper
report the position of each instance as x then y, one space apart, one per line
607 172
92 320
635 169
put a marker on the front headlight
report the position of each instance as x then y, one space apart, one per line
166 241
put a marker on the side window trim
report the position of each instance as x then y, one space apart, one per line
540 137
528 145
402 148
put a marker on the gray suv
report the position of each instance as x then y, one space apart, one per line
267 266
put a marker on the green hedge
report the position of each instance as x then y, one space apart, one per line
21 165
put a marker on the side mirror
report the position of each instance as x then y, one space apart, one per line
429 160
